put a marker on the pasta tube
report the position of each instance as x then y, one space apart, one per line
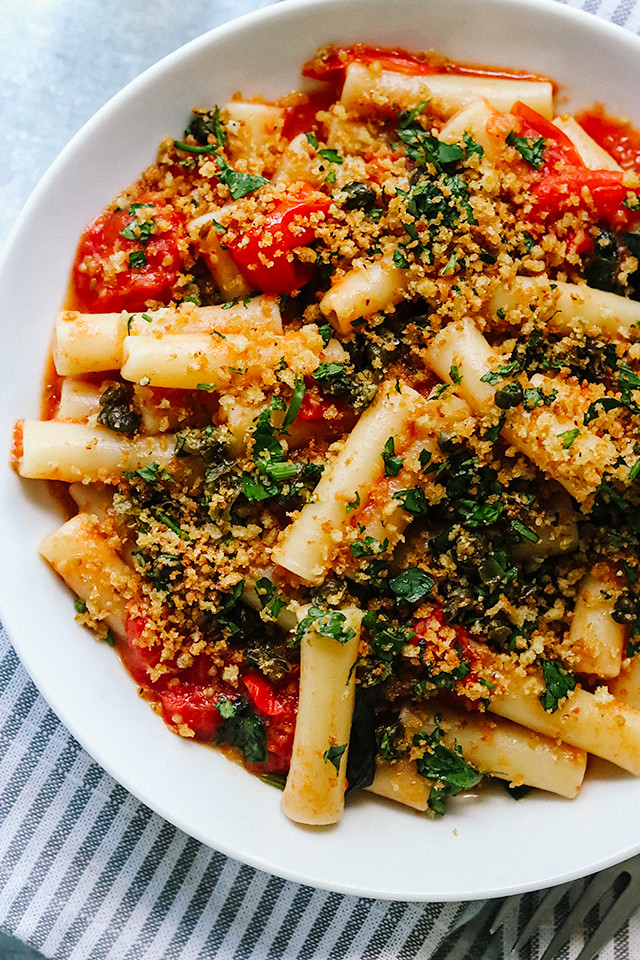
400 781
363 292
598 723
194 361
87 343
626 686
569 306
367 88
314 792
596 640
80 553
307 545
504 749
538 433
59 450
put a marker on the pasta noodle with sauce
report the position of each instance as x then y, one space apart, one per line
347 395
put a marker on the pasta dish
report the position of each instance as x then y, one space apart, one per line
344 410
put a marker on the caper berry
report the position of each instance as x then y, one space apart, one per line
509 396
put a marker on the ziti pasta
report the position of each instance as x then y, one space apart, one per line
347 398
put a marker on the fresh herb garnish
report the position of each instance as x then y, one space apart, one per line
411 585
241 728
559 683
326 623
447 768
334 755
531 150
392 463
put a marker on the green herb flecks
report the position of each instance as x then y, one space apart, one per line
448 768
325 623
530 149
559 683
334 755
241 728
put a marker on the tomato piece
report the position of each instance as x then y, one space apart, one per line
280 728
331 65
618 137
188 704
138 659
264 695
601 190
128 257
454 636
533 125
264 255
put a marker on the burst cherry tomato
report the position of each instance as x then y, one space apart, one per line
128 257
264 254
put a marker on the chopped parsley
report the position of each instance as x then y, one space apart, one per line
558 684
325 623
530 149
447 768
392 463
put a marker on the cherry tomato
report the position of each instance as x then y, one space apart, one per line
564 183
128 257
533 125
189 703
301 117
280 728
264 254
600 190
264 695
138 659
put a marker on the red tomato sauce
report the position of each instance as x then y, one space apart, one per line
618 137
189 697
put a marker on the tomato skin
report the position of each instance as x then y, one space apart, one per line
556 194
138 660
301 117
563 183
192 695
199 712
280 726
275 240
100 288
264 695
533 125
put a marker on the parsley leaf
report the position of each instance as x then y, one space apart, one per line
413 501
240 184
568 437
392 463
447 768
334 755
299 391
559 683
411 585
242 728
530 150
326 623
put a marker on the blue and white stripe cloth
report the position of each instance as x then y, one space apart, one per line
87 872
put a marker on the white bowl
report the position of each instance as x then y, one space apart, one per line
489 846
